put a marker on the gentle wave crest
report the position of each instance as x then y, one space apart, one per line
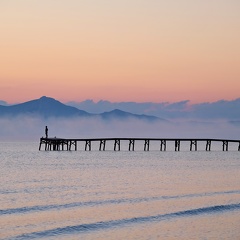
24 210
83 228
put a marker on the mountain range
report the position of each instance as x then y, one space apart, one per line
228 110
46 107
27 121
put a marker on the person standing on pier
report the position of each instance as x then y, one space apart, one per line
46 131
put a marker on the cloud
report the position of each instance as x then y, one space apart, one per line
220 109
3 103
177 110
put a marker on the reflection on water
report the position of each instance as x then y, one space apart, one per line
118 195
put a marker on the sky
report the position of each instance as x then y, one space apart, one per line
128 50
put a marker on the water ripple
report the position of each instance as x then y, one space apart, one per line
83 228
24 210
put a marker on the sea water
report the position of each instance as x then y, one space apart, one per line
119 194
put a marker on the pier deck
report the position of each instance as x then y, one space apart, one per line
61 144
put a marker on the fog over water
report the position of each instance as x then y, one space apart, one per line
32 128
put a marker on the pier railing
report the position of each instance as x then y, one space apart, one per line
61 144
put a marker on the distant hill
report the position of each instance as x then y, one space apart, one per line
119 114
43 107
46 107
222 109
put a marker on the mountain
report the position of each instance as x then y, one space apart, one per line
43 107
222 109
46 107
120 115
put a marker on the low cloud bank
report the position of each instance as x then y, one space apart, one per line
32 128
184 109
3 103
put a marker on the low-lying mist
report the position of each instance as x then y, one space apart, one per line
25 128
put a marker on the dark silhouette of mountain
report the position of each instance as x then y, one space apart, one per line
43 107
121 115
46 107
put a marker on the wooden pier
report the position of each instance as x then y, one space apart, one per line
61 144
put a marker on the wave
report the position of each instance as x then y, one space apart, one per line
24 210
83 228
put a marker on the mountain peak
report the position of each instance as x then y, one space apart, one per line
45 98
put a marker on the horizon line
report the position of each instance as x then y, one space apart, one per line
126 101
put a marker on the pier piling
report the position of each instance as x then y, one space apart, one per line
117 145
88 145
208 145
146 145
102 145
131 145
193 143
225 145
177 145
163 145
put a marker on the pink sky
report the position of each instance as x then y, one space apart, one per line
133 50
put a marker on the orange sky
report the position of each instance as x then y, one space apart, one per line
133 50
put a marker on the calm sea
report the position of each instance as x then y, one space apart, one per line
119 195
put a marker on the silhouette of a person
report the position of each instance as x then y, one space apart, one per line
46 131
